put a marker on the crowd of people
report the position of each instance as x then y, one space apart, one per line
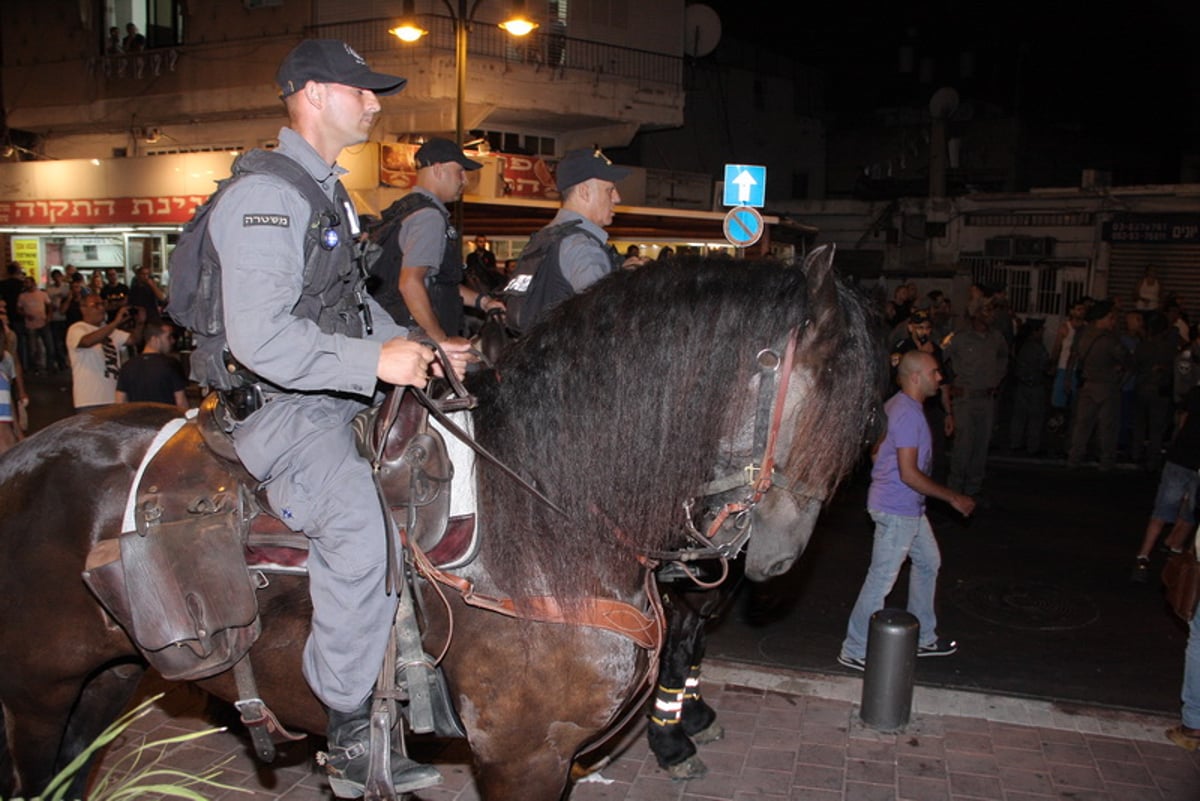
1117 381
1108 385
92 326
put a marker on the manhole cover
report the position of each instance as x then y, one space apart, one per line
1023 604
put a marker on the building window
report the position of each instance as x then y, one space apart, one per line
517 143
132 26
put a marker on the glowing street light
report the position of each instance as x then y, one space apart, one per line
407 30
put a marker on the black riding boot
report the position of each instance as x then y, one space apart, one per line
349 751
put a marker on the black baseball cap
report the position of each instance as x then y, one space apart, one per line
443 151
578 166
331 61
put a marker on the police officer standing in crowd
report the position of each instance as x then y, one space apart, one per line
294 324
979 358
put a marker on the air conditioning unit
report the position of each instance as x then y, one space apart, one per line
1033 247
1019 247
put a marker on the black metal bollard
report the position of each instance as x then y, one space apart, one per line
887 691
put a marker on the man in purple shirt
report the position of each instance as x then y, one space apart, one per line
900 483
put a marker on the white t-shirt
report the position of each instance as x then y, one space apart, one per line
94 370
57 294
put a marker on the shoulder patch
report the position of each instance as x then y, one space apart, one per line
276 220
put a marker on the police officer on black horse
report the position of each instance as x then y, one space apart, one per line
312 346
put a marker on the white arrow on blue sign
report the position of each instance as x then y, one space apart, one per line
745 185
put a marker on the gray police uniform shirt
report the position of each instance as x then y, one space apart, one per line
422 236
979 359
583 260
258 229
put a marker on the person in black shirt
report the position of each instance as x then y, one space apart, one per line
482 273
114 292
154 375
145 294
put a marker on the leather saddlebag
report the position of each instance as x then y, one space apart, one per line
182 592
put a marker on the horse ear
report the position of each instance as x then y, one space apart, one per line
822 284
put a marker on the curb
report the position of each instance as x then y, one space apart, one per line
938 701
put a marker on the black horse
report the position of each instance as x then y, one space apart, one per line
621 408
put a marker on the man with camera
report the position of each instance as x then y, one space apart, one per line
94 349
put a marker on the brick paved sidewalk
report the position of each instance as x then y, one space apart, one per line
797 737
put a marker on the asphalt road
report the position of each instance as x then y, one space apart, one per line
1035 589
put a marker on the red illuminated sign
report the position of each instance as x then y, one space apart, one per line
100 211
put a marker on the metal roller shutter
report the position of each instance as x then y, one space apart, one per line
1177 268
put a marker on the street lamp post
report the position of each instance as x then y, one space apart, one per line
461 21
407 30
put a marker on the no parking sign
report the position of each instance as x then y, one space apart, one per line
743 226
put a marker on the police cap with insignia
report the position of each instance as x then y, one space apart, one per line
919 317
331 61
578 166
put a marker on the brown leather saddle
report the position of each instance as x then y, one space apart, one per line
183 582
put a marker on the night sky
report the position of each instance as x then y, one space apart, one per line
1125 74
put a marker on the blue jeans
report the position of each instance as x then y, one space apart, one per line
1191 677
897 538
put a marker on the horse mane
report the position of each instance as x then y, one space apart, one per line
616 405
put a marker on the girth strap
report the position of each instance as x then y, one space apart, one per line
258 719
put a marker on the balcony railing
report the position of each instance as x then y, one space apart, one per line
541 48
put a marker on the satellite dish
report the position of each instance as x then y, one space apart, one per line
943 103
702 30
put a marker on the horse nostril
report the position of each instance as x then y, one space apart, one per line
779 568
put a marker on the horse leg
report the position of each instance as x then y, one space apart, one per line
35 728
668 738
47 733
103 699
699 719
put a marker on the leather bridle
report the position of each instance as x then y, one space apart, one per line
754 479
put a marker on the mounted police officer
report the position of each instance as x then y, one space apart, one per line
295 325
572 252
421 267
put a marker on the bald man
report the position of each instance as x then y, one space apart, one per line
900 483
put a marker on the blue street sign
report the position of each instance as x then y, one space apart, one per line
745 185
743 226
